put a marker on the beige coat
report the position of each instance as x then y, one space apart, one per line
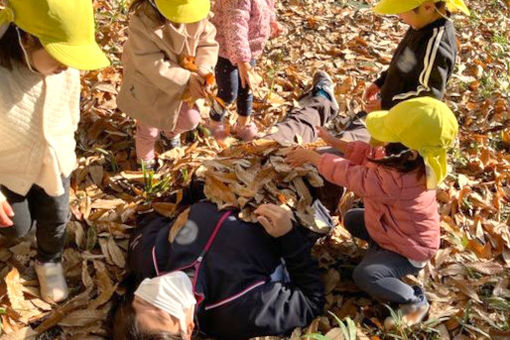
154 83
38 118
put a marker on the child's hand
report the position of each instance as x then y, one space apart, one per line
331 140
276 220
371 101
371 93
373 106
196 86
299 157
244 74
276 29
5 214
326 136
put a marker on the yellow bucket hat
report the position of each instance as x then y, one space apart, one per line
184 11
65 28
423 124
401 6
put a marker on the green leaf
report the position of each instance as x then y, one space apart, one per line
91 238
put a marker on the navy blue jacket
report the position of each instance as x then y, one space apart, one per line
421 65
236 297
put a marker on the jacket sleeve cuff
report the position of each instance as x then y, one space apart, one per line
325 161
292 242
206 68
380 81
241 58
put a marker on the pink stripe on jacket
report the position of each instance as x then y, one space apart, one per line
243 27
401 215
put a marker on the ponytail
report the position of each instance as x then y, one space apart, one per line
401 158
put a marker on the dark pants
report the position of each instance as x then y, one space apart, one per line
380 272
355 128
49 215
230 89
300 123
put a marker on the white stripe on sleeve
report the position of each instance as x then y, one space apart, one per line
428 64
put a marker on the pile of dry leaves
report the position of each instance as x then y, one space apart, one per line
467 282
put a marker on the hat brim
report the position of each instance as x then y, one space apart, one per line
376 126
187 13
82 57
393 7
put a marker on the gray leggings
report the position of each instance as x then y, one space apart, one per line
47 213
380 272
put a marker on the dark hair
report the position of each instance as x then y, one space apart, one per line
10 49
401 158
125 325
439 5
11 52
148 9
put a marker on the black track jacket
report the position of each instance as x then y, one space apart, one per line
231 262
421 66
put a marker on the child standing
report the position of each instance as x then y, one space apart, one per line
243 26
397 184
425 58
161 34
42 43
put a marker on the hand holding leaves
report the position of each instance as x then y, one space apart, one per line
196 86
299 157
276 220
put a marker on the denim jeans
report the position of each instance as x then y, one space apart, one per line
47 213
380 272
230 89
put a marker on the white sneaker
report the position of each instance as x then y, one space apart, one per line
52 282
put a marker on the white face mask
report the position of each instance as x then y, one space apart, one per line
172 293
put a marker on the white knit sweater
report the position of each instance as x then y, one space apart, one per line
38 118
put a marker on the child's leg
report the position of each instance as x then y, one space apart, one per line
244 101
51 215
301 121
22 218
354 222
187 121
145 140
379 274
227 78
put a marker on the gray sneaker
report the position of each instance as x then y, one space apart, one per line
322 81
411 313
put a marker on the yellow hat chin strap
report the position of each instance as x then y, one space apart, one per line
435 165
456 5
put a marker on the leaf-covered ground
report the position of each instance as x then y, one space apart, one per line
467 282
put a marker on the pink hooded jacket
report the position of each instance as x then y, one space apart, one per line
243 27
401 215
